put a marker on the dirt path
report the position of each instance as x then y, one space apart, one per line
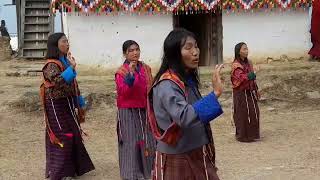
289 149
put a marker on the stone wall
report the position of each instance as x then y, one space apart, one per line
5 49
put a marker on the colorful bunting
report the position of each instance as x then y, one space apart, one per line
170 5
158 6
209 4
284 3
129 5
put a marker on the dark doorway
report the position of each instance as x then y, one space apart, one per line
208 29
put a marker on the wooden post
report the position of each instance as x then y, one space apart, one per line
219 39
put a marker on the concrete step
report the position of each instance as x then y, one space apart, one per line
37 23
37 31
34 40
35 48
37 15
37 7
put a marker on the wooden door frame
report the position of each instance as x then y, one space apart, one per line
214 52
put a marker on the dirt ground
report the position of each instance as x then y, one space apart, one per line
290 124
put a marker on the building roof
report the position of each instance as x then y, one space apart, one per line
174 6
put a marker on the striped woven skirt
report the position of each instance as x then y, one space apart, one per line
72 159
197 164
136 144
246 116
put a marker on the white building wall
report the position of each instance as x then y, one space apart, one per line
268 34
98 39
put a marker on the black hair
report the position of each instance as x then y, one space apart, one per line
126 45
53 51
3 22
237 49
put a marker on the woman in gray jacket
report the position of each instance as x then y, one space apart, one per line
179 117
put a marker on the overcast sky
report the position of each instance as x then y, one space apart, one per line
8 13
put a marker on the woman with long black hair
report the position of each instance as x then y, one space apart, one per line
66 155
246 113
179 117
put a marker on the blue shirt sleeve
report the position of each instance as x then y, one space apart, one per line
69 74
82 102
79 100
208 108
129 79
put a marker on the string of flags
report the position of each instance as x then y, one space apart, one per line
171 6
